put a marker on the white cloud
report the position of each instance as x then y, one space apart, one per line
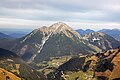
29 13
21 23
33 24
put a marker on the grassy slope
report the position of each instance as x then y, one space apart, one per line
4 74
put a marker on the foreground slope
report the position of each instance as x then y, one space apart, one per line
13 68
100 66
4 75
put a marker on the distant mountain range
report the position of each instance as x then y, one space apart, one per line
15 33
83 32
4 36
58 40
112 32
115 33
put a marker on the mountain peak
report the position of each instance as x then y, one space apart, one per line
60 26
56 27
61 23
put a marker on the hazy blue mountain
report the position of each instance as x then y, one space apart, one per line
83 32
15 33
4 36
115 33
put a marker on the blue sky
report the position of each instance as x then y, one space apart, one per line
79 14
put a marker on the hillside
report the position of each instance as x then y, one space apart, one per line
100 66
5 75
14 68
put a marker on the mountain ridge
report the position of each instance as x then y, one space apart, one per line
58 39
112 32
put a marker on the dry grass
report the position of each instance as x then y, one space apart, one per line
4 74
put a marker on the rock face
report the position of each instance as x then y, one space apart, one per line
14 68
57 40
